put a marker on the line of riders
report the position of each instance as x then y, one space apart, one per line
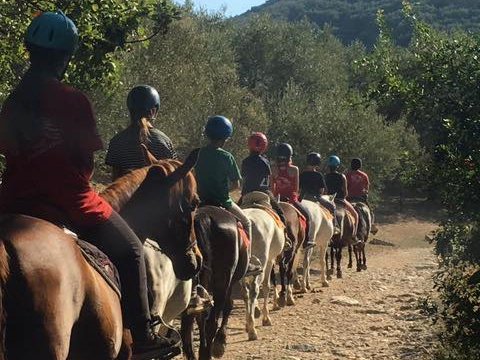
48 136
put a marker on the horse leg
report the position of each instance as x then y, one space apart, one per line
323 266
220 341
187 336
252 299
350 260
339 262
211 326
283 292
332 262
294 271
364 266
306 270
266 321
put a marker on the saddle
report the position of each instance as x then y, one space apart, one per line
348 213
99 261
260 200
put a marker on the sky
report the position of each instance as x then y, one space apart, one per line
234 7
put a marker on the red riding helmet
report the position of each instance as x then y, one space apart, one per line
258 142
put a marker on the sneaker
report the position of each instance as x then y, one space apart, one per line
148 345
309 245
254 267
200 301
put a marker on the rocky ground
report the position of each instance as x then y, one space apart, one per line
369 315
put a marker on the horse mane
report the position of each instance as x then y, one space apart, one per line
121 190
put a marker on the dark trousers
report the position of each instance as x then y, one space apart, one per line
118 241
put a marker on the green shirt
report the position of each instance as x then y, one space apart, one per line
214 170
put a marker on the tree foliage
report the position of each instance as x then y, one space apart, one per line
434 85
353 20
105 26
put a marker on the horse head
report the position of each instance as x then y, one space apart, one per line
162 208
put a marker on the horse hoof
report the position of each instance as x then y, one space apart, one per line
303 290
218 348
339 275
329 277
308 287
275 307
349 266
297 285
252 336
290 302
325 283
359 269
329 272
257 312
364 267
267 322
282 301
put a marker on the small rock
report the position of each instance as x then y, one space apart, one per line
302 347
344 300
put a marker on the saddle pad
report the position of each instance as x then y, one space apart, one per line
270 212
243 234
101 263
326 212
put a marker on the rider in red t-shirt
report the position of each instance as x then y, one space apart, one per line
359 186
48 136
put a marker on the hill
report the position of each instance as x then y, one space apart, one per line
352 20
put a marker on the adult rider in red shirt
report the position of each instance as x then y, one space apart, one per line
48 135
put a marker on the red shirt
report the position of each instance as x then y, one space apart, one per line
284 183
358 183
51 179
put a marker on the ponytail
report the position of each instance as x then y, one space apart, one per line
144 125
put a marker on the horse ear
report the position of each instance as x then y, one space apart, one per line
150 159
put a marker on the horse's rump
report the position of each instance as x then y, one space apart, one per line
49 286
364 220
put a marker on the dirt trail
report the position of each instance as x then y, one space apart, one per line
384 324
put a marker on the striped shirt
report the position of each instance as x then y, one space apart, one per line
124 150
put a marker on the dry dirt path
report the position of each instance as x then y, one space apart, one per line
384 324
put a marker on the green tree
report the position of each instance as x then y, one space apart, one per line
105 26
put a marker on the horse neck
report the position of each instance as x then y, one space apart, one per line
121 190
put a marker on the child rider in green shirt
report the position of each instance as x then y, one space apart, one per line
217 173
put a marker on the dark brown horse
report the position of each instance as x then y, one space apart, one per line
53 305
341 240
363 231
225 262
296 234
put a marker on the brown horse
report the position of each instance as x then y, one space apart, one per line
296 234
339 241
53 305
225 262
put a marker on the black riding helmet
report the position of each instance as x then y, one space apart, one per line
356 164
284 151
142 98
314 159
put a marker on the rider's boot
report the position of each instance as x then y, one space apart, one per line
336 228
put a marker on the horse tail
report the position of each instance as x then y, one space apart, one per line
202 226
4 272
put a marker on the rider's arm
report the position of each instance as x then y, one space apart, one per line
234 185
296 176
344 185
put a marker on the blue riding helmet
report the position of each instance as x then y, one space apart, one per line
218 128
53 30
334 161
143 98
